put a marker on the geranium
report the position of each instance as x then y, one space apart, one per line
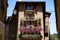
36 30
28 30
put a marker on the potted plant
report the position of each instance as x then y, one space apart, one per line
20 36
30 29
40 37
20 22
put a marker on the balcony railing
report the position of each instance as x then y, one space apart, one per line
30 36
29 18
26 32
34 30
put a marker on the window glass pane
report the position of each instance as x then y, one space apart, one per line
30 7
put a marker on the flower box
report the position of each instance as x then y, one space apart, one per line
29 30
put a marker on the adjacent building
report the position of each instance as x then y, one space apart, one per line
28 22
2 31
57 11
3 9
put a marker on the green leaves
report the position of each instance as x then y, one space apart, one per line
20 22
39 22
53 36
20 35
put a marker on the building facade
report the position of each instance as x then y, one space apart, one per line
2 31
29 22
57 11
3 9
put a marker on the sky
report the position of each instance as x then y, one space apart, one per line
49 8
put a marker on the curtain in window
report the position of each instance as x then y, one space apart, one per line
35 23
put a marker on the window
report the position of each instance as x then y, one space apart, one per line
30 16
35 23
46 29
46 34
30 7
25 23
30 23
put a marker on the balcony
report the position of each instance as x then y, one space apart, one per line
31 36
26 30
29 18
30 33
36 33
